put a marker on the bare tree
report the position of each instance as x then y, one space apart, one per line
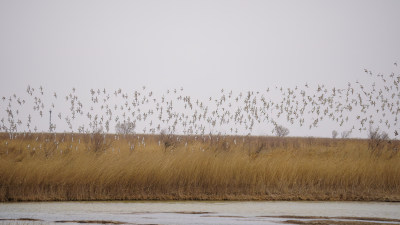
125 127
334 134
281 131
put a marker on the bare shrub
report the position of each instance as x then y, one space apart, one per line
258 148
99 142
334 134
377 139
168 140
281 131
345 134
125 128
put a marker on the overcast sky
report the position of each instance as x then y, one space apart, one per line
202 46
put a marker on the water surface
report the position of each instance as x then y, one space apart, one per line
200 212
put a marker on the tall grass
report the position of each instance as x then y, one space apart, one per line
201 168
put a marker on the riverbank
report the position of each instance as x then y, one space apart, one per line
189 168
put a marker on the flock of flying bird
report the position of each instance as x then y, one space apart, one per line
358 105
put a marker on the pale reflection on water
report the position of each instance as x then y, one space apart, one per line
194 212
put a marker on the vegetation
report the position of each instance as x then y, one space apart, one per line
345 134
334 134
125 127
281 131
44 167
377 139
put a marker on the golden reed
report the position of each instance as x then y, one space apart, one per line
47 167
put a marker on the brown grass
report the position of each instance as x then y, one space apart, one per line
206 168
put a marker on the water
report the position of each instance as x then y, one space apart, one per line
197 212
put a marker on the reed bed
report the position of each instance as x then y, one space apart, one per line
58 167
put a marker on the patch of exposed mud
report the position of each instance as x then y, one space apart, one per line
22 219
324 220
91 221
190 212
336 222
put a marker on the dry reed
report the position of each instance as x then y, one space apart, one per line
197 168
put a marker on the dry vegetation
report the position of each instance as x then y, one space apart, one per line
108 167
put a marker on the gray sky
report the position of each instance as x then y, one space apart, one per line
202 46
